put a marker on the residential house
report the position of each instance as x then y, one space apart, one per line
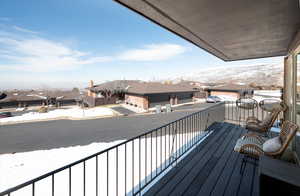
142 94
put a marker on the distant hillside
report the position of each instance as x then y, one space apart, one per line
265 75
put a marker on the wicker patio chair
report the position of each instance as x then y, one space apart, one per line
253 124
251 144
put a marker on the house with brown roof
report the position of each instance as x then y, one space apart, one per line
24 98
143 94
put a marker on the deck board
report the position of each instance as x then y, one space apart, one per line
222 167
172 174
212 168
188 171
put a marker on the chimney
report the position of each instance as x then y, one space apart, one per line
91 83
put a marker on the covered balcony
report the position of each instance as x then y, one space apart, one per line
194 155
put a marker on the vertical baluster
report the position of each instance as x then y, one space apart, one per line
197 126
140 165
193 124
190 130
117 170
151 161
132 167
232 105
107 173
52 185
146 142
185 133
169 143
126 168
97 172
195 129
70 181
165 128
33 189
160 149
156 168
174 139
84 178
193 118
181 136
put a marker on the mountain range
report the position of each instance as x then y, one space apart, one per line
261 75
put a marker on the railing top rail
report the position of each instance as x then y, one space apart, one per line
10 190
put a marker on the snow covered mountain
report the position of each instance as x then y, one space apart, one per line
264 74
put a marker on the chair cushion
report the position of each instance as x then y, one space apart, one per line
272 145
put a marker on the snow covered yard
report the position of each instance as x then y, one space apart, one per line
72 113
125 168
20 167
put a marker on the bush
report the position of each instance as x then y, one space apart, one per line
43 109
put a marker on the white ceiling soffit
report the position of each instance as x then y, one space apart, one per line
231 29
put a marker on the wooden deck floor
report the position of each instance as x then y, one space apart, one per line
212 168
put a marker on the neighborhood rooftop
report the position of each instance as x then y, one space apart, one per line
144 88
28 95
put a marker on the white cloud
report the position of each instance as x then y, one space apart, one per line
20 29
25 50
154 52
42 55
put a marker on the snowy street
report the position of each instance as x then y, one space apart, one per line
64 133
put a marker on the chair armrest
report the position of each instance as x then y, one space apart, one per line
251 150
261 140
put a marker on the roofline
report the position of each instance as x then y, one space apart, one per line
229 90
154 93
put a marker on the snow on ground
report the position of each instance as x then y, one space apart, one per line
260 98
75 112
127 169
21 167
227 98
268 93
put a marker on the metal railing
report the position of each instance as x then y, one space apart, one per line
239 115
128 167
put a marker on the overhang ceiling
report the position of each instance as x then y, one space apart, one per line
229 29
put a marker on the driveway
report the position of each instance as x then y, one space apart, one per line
65 133
122 110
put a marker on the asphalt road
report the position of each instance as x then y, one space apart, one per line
65 133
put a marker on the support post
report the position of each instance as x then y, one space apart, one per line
290 87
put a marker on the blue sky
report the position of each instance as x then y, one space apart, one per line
65 43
